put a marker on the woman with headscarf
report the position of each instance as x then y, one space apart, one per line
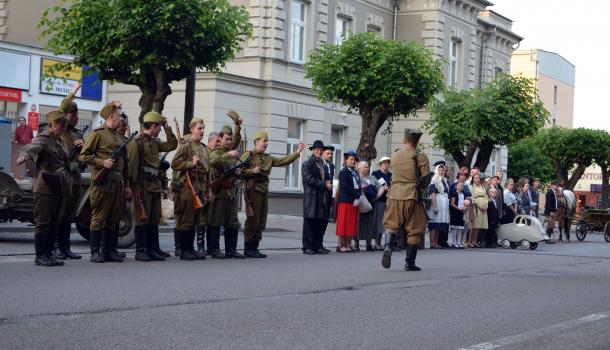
438 212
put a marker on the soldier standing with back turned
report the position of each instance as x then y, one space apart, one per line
108 198
143 172
405 207
256 176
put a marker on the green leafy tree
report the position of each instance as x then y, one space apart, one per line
147 43
570 150
525 158
503 112
602 159
381 79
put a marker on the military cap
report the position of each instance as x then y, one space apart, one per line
73 108
107 110
413 135
226 130
153 117
233 115
260 135
55 115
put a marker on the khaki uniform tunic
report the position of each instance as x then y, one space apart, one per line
403 209
107 199
257 188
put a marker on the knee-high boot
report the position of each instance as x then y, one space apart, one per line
411 255
386 260
153 231
40 247
95 241
141 244
231 244
213 236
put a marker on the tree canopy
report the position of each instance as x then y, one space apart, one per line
503 112
147 43
526 159
381 79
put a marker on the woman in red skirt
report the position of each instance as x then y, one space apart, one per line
348 198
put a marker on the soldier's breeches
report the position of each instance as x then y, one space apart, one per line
185 212
152 205
72 204
255 225
407 214
106 207
223 212
49 211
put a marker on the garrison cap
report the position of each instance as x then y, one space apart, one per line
226 130
55 115
233 115
413 135
107 110
153 117
260 135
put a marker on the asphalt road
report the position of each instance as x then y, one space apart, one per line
557 297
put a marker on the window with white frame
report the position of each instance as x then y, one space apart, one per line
453 62
493 162
295 135
336 140
373 29
298 19
342 29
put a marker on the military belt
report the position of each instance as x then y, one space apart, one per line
114 175
150 170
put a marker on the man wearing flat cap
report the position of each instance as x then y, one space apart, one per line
256 176
107 198
73 142
223 208
143 172
405 208
52 187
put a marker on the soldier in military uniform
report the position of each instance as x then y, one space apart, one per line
256 176
108 198
223 208
73 141
143 170
52 188
405 208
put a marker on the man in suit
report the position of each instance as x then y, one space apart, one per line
315 188
329 172
493 218
550 209
494 182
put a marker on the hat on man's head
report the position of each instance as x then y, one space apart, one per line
536 179
350 154
440 162
55 115
226 130
332 148
153 117
317 144
384 159
107 110
260 135
73 107
413 135
555 182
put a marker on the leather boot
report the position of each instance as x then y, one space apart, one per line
186 241
51 239
65 238
111 254
116 244
411 255
95 241
248 250
149 239
201 239
153 232
231 244
177 243
386 259
214 242
58 252
141 244
40 246
258 252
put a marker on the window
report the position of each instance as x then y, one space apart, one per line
453 63
297 31
336 140
373 29
295 135
554 116
493 162
342 28
498 71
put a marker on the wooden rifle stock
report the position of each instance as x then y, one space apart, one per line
140 209
216 185
197 204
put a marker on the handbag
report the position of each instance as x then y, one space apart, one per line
364 206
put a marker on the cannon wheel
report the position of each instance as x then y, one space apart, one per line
607 232
581 231
126 225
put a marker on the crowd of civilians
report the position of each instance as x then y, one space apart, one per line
464 212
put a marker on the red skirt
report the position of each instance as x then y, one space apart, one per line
347 220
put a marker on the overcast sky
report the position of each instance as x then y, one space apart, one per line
579 31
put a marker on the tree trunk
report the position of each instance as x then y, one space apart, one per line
147 98
154 92
371 123
484 156
605 186
465 160
576 175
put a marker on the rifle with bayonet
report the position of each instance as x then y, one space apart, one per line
216 185
101 175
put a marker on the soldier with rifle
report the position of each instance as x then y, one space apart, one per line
146 185
223 206
256 183
190 186
405 208
73 141
104 151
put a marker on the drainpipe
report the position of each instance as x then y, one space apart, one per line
395 19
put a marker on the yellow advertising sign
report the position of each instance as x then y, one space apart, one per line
75 73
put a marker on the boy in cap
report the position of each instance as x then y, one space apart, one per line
256 176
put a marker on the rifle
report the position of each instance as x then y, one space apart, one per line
422 181
140 210
101 175
197 203
75 150
217 183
